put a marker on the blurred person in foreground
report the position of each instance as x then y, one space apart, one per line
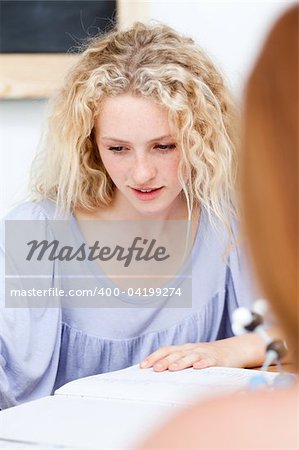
269 185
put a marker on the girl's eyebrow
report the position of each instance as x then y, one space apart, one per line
115 139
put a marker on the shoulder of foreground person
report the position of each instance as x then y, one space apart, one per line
246 421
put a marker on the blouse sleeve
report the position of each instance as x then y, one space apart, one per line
29 337
241 287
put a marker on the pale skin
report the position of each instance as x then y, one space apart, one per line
138 148
239 351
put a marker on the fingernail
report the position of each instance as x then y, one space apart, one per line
144 364
158 366
173 366
201 364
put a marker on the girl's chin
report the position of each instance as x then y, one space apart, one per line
155 213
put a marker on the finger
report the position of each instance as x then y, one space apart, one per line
164 363
205 363
161 353
184 362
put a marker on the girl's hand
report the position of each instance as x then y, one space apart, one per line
239 351
198 356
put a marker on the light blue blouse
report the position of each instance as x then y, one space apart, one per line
44 348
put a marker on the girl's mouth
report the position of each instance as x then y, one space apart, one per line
147 193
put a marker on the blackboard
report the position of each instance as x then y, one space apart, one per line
51 26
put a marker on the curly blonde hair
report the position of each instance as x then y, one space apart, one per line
151 61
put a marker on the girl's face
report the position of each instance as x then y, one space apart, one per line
138 148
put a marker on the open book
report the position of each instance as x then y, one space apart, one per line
177 388
114 410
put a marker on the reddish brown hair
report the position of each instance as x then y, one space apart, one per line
270 170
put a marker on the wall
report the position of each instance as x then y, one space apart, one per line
231 32
20 127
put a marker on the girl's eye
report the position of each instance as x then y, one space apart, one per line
165 147
116 149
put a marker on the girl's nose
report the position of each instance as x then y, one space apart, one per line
144 171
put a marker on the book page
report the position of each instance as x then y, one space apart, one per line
183 387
